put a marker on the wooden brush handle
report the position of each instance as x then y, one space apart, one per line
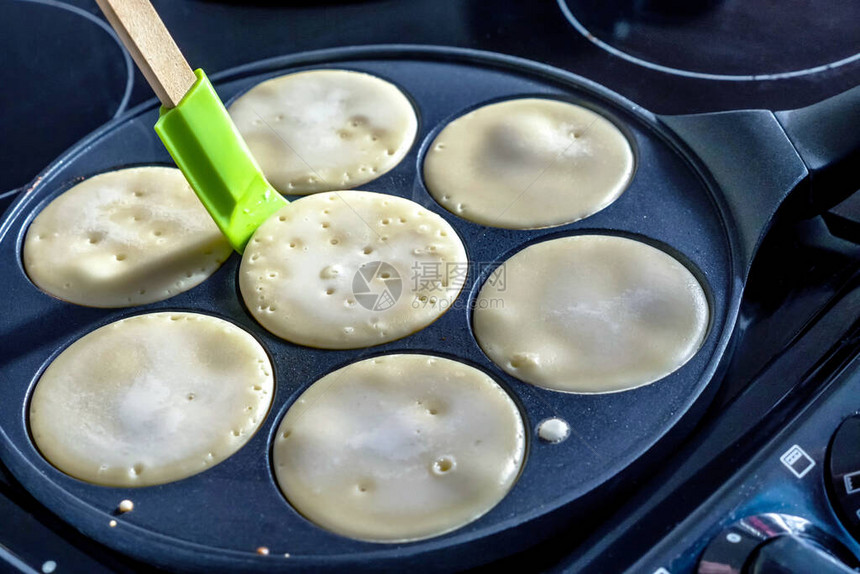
151 46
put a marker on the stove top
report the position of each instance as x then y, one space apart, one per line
798 333
661 54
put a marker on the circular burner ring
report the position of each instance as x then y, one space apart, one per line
580 27
129 66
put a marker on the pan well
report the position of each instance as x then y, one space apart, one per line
528 163
591 314
151 399
123 238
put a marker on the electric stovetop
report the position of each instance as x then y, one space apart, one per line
766 466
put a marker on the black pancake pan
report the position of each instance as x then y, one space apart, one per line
705 189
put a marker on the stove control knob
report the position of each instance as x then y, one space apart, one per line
794 555
843 473
775 544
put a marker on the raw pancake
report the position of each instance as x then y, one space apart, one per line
348 269
325 130
123 238
591 314
528 163
151 399
400 447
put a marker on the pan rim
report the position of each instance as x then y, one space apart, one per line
190 551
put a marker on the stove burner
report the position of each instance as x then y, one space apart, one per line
70 75
726 40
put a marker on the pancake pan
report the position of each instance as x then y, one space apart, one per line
705 189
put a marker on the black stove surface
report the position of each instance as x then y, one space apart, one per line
669 56
797 327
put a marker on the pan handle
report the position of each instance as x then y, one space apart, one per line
750 161
803 161
827 138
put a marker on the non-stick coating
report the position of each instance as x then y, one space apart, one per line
219 517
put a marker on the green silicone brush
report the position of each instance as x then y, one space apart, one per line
195 126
